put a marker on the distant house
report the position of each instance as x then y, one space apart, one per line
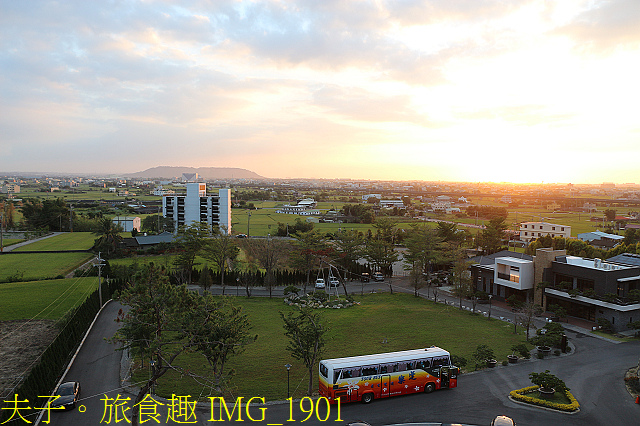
601 239
128 223
532 230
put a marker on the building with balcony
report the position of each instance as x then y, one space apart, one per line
586 288
532 230
198 206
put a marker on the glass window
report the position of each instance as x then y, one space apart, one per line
324 370
371 370
336 375
423 364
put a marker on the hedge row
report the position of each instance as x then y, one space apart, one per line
42 378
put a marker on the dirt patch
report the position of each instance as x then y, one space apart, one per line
21 343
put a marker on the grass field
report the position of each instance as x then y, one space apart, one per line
66 241
404 321
9 241
49 299
39 266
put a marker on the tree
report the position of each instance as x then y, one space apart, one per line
308 248
381 253
205 281
156 224
462 281
348 247
610 214
8 210
493 235
269 254
306 332
109 239
424 247
221 250
528 312
449 233
52 215
190 241
165 321
548 381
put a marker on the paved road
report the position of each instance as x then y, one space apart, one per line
24 243
97 368
594 374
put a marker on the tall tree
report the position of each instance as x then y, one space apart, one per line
52 215
348 247
222 250
306 332
462 282
380 253
493 235
269 254
424 246
165 321
308 249
109 239
190 241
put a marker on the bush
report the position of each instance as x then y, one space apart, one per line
482 354
505 362
459 361
522 349
605 325
547 380
291 289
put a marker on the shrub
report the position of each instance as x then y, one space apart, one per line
605 325
291 289
482 354
521 348
547 380
505 362
459 361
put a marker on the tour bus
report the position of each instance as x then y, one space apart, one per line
367 377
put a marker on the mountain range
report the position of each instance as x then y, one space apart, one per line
170 172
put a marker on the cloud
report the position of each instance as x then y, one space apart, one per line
605 27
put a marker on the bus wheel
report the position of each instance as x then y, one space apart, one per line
367 398
429 387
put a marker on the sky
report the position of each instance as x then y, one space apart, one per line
452 90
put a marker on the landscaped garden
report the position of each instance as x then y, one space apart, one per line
380 323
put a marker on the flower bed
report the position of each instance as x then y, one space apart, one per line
521 395
315 302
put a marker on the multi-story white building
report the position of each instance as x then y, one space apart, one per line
197 206
532 230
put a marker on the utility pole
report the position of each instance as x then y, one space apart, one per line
248 221
71 218
1 231
100 265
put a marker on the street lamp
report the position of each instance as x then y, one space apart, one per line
288 368
490 297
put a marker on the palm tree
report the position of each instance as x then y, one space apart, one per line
109 237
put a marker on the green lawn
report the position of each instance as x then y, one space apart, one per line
38 266
404 321
66 241
9 241
49 299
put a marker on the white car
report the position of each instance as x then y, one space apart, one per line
320 283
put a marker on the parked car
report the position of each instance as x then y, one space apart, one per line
365 277
503 421
333 282
241 236
377 276
320 283
68 394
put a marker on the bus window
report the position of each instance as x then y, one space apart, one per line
411 365
355 372
394 368
336 375
370 370
402 366
440 361
383 369
423 364
346 374
324 370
